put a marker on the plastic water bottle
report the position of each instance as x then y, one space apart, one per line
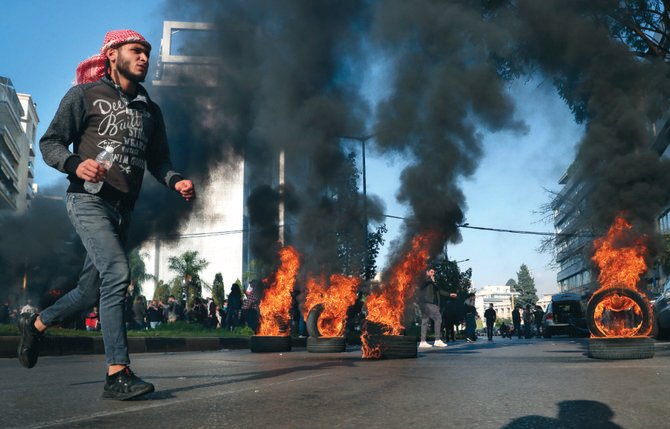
105 159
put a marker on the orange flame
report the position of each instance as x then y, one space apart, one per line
387 306
335 299
619 266
275 307
620 258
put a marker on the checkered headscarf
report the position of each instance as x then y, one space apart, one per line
93 68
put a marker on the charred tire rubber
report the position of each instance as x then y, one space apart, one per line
312 321
269 344
326 344
395 346
647 314
621 348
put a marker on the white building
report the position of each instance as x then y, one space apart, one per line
544 301
216 225
18 124
502 298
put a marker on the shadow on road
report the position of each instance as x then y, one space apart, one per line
249 376
571 415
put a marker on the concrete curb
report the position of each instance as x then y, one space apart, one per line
61 346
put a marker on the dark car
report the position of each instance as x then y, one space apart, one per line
662 313
564 316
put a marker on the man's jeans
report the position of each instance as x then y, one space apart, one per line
430 311
103 230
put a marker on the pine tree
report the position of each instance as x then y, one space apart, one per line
218 290
525 285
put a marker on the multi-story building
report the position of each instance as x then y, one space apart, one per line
18 124
573 229
573 234
502 297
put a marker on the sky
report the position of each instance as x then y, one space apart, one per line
42 42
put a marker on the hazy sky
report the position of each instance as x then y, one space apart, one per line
41 43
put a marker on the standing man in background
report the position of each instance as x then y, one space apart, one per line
490 316
107 109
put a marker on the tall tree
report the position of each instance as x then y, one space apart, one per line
162 291
218 290
138 270
188 267
526 286
450 279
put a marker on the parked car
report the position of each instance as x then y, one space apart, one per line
564 316
662 313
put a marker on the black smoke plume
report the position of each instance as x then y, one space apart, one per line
285 79
42 246
446 89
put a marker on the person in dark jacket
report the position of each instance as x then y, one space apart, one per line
107 109
4 313
490 317
516 320
154 314
234 307
430 310
527 316
139 313
538 316
470 318
452 316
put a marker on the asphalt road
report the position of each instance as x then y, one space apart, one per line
504 383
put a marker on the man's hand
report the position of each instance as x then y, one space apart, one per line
91 171
186 189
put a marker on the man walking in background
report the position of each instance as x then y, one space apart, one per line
490 316
107 109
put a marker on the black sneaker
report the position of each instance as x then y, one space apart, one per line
29 345
125 385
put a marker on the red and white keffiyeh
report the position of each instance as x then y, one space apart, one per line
93 68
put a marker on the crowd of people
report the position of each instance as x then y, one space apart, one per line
237 310
10 315
450 313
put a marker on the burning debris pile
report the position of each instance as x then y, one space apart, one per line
619 308
386 306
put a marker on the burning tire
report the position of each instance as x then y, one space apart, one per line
269 344
621 348
394 346
635 314
312 321
325 344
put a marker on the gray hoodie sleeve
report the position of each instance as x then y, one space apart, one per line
65 129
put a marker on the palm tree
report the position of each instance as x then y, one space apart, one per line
188 267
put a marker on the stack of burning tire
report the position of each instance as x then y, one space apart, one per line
619 316
315 342
384 346
620 320
272 343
